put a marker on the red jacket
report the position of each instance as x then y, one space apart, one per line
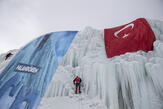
77 79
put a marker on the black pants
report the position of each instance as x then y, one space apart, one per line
77 87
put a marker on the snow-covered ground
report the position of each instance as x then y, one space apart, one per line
72 102
129 81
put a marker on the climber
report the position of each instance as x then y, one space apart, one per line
8 55
77 82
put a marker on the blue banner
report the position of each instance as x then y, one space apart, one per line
24 81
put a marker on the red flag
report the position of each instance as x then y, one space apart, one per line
131 37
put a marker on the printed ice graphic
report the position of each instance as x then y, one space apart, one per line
25 79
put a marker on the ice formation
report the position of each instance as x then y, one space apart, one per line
129 81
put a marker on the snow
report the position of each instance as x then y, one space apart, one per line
74 102
3 62
129 81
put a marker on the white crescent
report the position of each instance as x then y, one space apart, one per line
125 35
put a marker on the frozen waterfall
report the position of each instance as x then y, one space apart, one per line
129 81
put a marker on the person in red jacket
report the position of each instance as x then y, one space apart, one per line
8 55
77 82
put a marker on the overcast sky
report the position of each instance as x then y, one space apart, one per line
23 20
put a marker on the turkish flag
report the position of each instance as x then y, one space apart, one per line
131 37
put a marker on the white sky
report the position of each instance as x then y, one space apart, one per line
23 20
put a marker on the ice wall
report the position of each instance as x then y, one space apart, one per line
129 81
